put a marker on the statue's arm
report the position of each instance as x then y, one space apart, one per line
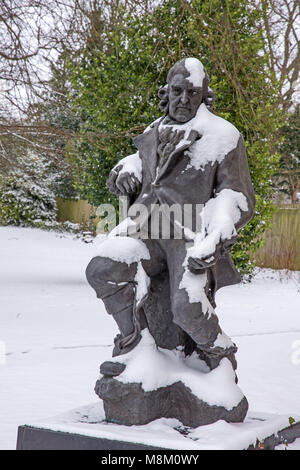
233 174
126 177
224 214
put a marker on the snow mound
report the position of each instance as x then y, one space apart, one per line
123 249
155 367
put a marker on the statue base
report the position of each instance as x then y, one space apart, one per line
85 428
129 404
161 383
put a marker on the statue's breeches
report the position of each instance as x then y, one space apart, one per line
114 282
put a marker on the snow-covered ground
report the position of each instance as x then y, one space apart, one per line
55 333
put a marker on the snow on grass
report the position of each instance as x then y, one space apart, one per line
56 333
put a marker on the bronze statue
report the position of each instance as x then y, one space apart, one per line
191 170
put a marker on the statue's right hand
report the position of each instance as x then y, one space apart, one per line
122 184
127 183
111 181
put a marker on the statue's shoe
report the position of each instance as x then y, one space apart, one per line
112 369
124 345
213 357
213 360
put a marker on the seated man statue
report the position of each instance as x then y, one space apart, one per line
191 167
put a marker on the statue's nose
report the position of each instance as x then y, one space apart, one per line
184 97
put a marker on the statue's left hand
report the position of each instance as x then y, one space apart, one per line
198 265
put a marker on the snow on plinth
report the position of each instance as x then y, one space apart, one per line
168 433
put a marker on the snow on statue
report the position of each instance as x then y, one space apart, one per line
190 170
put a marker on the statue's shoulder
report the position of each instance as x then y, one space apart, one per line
218 138
208 123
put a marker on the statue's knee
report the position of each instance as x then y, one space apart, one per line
94 269
105 268
111 278
201 326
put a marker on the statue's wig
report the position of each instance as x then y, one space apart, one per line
180 69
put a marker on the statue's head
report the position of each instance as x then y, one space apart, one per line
186 89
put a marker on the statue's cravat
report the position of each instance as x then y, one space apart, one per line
167 141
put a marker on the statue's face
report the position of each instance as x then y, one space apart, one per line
184 99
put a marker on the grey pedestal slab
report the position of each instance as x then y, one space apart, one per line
85 429
31 438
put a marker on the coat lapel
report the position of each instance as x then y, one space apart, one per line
147 145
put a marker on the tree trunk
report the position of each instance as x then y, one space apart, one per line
294 196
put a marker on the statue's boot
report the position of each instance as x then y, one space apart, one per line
213 356
213 353
130 331
125 342
115 283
